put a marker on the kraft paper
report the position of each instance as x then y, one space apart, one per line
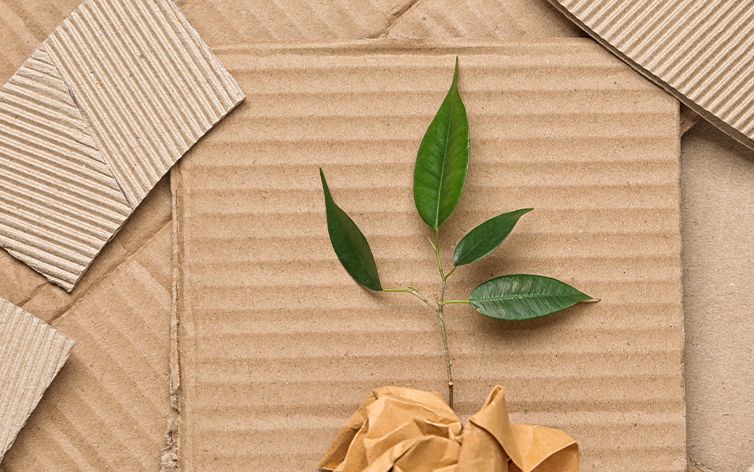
406 430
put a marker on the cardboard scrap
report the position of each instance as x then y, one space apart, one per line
109 408
406 430
92 121
278 345
700 51
719 299
31 355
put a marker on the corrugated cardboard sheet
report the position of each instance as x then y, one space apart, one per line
278 345
31 355
715 178
109 409
699 50
90 123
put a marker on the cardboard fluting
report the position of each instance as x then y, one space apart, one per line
90 123
31 354
701 52
278 346
109 408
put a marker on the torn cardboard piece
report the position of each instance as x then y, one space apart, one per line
92 120
110 406
701 52
278 345
31 355
400 429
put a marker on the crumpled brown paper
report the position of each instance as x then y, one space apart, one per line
405 430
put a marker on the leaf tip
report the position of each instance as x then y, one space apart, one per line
455 73
325 187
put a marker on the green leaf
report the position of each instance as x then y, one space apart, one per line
350 244
443 160
523 297
485 238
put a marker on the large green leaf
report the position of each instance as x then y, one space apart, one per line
485 238
443 160
350 244
522 297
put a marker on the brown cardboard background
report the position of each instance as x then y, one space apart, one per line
278 346
108 409
718 198
713 437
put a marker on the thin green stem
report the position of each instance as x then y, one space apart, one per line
456 302
441 315
415 292
438 307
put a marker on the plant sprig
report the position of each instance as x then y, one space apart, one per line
440 173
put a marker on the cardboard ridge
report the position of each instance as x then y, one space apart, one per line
109 408
91 122
701 52
277 345
31 354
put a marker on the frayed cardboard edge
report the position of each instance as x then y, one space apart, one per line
170 454
695 466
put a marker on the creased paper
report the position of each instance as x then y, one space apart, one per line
406 430
92 120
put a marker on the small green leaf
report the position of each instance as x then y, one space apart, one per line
485 238
443 160
350 245
523 297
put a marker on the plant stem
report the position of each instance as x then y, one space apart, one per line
456 302
438 308
441 316
413 291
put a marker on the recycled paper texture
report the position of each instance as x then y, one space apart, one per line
405 430
31 354
92 120
700 51
278 345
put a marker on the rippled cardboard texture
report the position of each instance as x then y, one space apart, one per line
698 51
714 179
278 346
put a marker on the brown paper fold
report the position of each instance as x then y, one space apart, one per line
402 430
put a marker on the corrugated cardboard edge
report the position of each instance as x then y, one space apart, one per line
725 127
170 454
33 365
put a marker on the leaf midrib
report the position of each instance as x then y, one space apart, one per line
444 162
512 297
